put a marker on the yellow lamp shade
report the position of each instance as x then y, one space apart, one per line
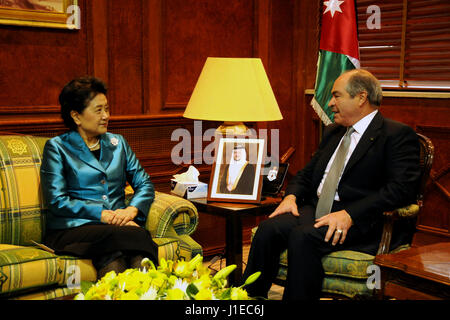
233 90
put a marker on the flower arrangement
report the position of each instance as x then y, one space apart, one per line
181 280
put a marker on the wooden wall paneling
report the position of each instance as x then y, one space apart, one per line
152 55
303 130
125 59
36 62
262 30
194 30
430 117
435 217
280 59
97 24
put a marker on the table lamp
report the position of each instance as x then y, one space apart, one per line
233 90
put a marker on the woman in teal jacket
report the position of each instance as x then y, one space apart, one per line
84 173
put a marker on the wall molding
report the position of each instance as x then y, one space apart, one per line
405 94
28 109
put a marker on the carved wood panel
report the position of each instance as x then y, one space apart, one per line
435 217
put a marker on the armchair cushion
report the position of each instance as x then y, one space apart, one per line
347 263
20 194
23 268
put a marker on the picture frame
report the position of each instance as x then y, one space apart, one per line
236 174
62 14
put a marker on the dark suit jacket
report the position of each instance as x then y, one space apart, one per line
382 173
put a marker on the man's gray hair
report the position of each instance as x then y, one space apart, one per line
362 80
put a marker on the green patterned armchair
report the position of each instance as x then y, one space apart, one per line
346 271
28 272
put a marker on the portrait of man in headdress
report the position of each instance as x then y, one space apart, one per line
237 176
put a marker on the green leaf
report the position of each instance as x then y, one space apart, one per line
191 291
226 295
85 286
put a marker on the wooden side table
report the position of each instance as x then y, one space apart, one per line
233 214
419 273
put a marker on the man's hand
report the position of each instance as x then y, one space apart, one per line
288 204
338 223
123 216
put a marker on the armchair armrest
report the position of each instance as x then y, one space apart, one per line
170 219
410 211
171 215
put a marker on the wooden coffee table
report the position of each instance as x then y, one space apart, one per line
419 273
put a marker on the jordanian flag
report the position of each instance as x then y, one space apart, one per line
338 52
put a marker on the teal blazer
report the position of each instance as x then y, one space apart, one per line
77 187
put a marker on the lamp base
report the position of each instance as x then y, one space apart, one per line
232 128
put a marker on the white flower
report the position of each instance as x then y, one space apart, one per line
114 141
151 294
180 284
79 296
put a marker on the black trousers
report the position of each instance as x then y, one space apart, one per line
102 242
306 247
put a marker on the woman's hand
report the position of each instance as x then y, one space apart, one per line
107 216
132 224
124 216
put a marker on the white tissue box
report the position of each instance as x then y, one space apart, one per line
189 190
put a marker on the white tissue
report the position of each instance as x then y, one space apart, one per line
190 176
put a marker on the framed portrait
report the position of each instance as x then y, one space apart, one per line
236 175
64 14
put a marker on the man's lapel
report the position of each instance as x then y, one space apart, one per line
369 137
83 152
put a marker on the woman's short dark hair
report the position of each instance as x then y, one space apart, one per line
76 96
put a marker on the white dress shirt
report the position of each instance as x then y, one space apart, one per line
360 127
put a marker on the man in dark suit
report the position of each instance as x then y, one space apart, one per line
380 172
